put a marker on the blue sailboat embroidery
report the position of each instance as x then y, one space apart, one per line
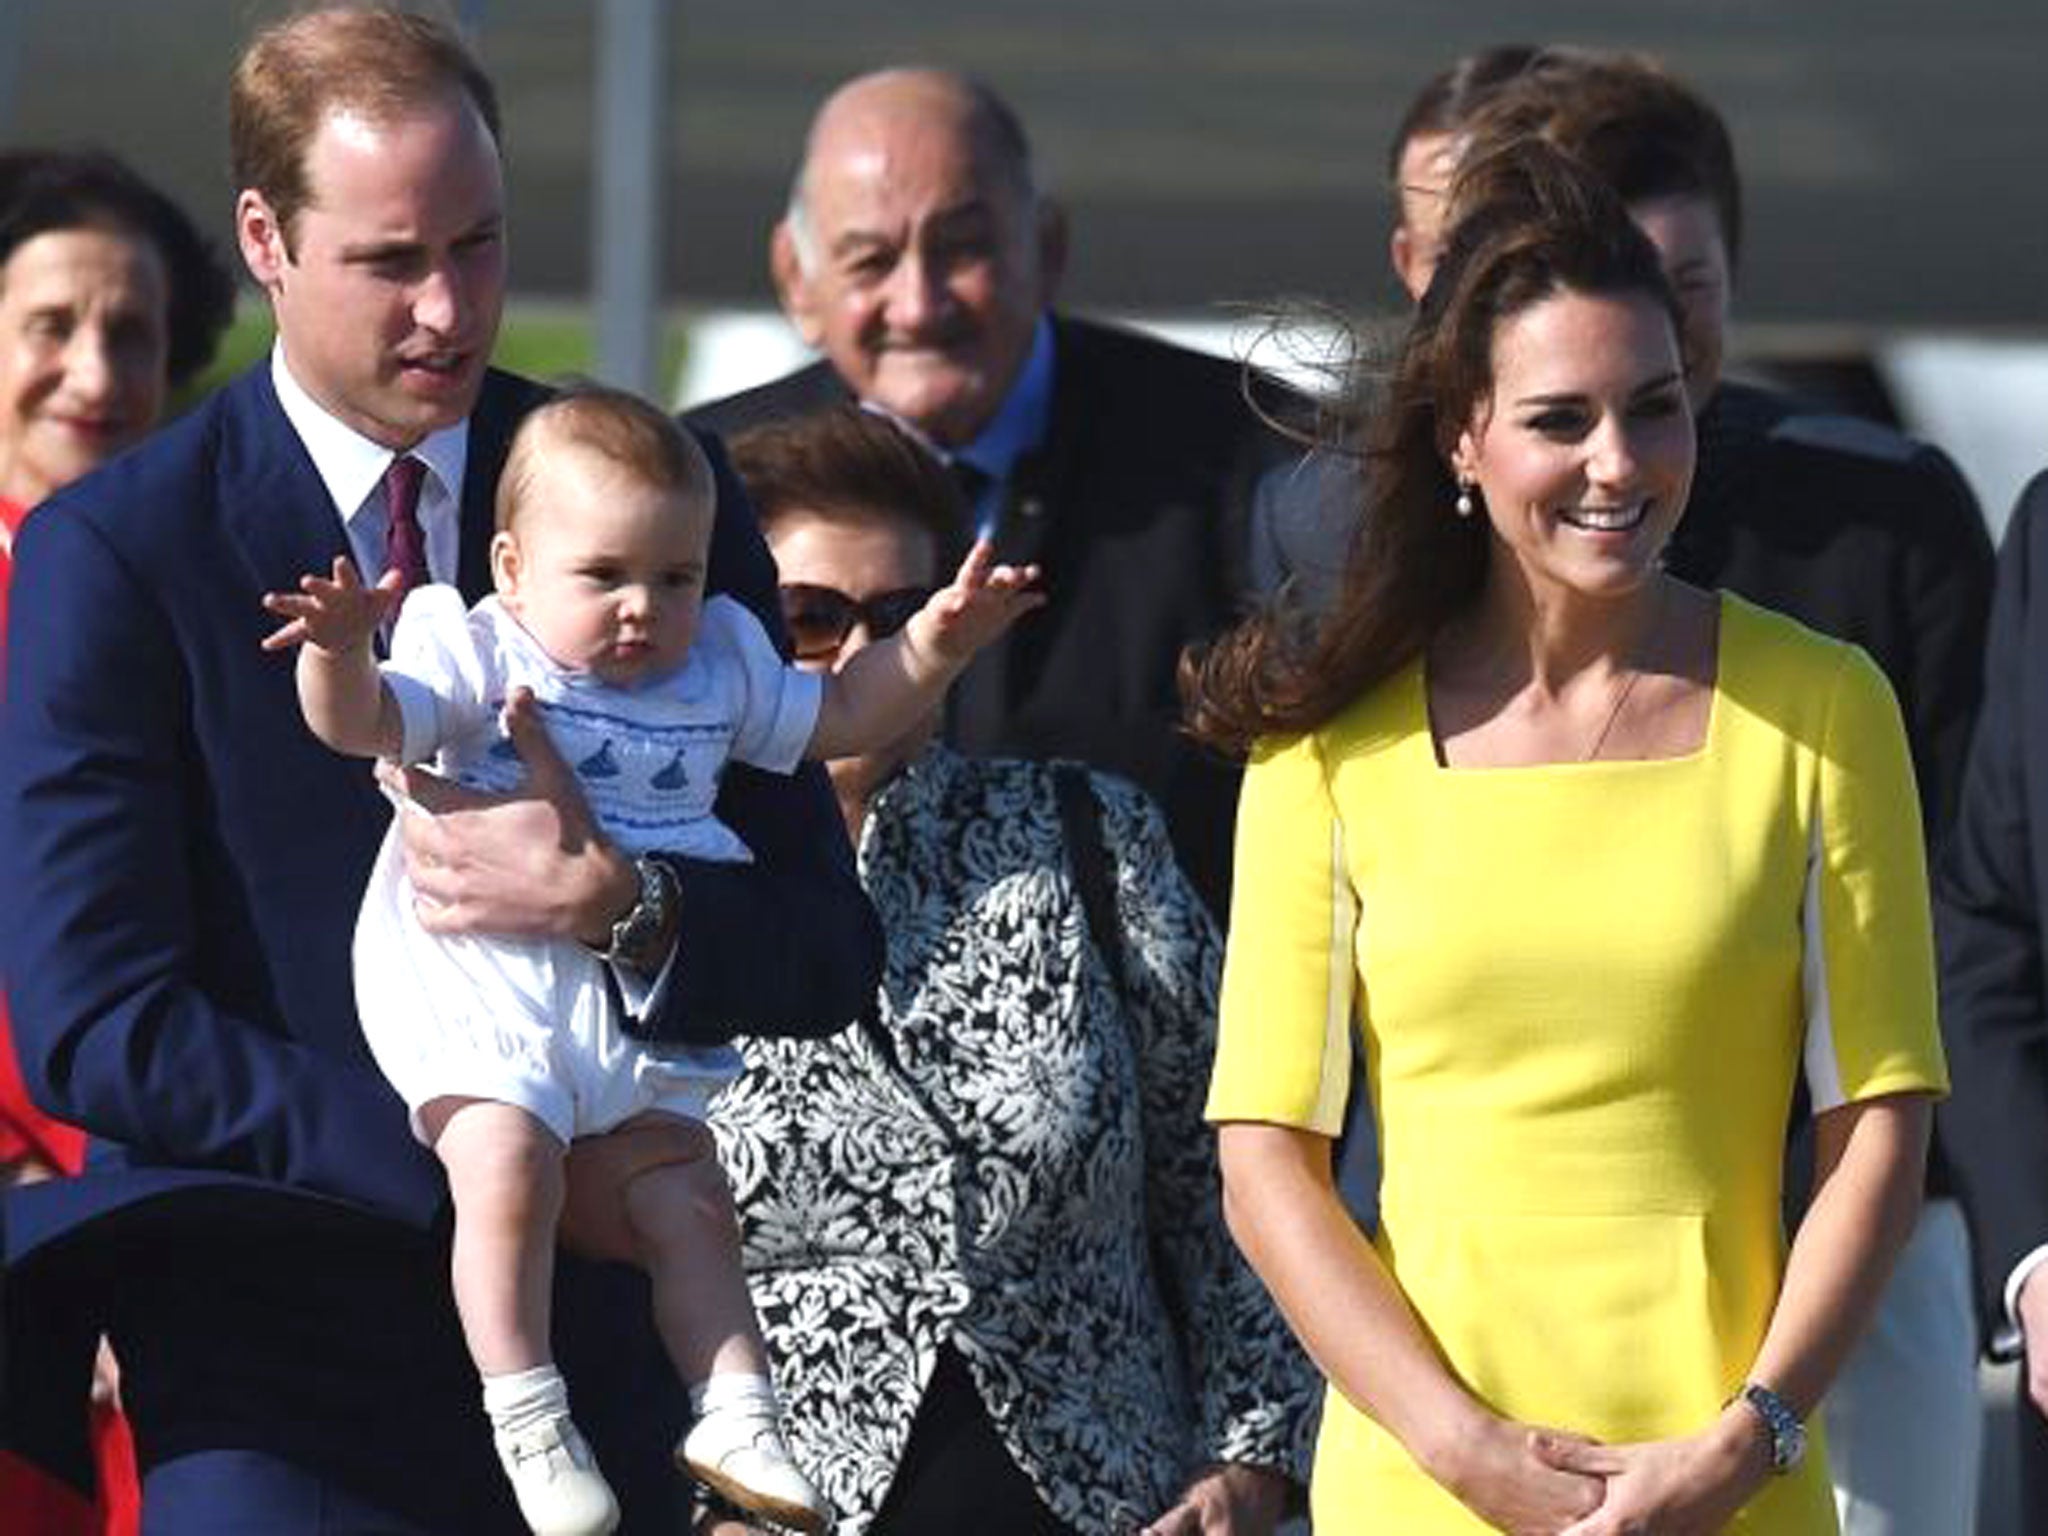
673 774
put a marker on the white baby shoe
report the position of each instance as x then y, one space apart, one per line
741 1457
555 1478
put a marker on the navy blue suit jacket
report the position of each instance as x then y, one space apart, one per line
182 865
1992 925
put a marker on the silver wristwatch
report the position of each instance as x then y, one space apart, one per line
635 935
1787 1434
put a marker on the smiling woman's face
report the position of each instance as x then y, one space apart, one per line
1584 452
83 354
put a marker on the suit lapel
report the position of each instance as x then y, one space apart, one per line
273 504
277 509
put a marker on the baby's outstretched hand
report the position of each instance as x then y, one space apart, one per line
335 613
983 600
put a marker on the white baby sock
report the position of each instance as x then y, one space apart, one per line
742 1392
517 1400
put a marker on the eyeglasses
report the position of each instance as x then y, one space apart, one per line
820 618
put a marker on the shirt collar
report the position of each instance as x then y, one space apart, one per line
349 464
1020 423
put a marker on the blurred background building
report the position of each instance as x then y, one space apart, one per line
1220 156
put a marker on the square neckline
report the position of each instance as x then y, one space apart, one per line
1708 742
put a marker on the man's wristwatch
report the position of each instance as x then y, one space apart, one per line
1781 1424
636 937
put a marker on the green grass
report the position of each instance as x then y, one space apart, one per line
540 340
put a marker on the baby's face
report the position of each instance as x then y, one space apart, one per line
603 570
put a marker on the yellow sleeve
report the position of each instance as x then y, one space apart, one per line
1283 1051
1869 970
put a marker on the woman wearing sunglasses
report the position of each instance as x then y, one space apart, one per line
982 1225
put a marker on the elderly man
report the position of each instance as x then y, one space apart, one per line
262 1237
920 257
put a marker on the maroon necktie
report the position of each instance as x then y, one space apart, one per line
405 544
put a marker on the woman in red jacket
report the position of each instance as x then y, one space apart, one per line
108 297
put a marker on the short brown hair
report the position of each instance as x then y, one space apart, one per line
373 59
851 463
645 442
1630 121
1448 98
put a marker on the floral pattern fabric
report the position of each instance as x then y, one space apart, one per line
1011 1159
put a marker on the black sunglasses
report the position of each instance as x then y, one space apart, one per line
820 618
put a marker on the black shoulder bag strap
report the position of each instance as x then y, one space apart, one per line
1088 859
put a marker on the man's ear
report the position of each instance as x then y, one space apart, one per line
505 567
1405 255
261 236
793 285
1052 249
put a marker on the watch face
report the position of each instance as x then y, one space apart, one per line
1791 1449
1787 1434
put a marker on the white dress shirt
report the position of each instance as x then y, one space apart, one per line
352 468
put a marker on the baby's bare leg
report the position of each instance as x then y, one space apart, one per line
688 1236
505 1173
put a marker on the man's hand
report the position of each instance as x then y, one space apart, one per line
2032 1306
528 864
1228 1500
336 615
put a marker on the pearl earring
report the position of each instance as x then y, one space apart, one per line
1464 501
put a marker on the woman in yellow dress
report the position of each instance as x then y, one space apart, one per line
1594 862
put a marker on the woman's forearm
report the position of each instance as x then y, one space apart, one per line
1871 1162
1284 1212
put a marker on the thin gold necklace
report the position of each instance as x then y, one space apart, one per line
1613 714
1621 694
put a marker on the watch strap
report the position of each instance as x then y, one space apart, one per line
637 933
1781 1424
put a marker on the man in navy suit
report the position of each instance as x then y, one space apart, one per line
259 1234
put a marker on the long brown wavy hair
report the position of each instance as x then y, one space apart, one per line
1528 223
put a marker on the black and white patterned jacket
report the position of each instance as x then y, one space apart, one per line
1012 1161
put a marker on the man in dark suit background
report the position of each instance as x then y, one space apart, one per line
1992 927
919 255
259 1233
